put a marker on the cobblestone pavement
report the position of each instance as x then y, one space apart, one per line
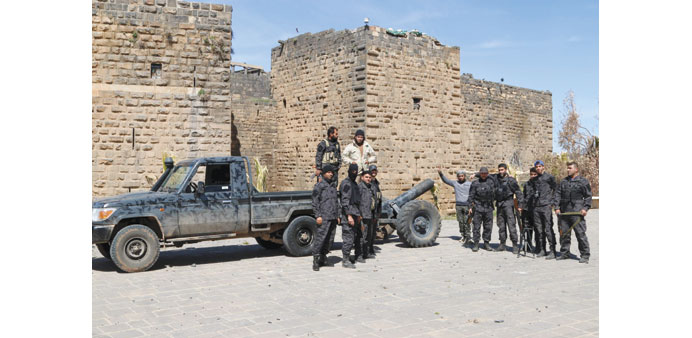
236 288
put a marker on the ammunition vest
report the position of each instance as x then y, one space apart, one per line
329 156
503 190
484 192
572 191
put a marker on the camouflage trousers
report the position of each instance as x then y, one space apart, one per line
564 223
543 220
324 237
505 220
463 219
486 218
348 235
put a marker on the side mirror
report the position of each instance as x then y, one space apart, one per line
200 188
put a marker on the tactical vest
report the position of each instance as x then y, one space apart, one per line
355 193
503 190
572 191
329 156
484 192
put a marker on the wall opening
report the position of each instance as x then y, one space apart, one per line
156 71
416 103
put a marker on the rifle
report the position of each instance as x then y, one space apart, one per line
569 231
524 244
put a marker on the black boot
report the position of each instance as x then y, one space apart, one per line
346 263
488 247
475 247
584 260
551 254
360 259
501 247
515 248
563 256
316 263
541 253
323 260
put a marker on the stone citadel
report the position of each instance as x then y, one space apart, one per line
163 84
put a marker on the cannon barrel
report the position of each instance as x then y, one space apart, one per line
413 193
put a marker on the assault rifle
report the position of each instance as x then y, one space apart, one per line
569 231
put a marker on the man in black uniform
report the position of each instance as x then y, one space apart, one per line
481 195
367 208
527 214
325 205
329 152
377 194
507 188
350 201
573 194
544 195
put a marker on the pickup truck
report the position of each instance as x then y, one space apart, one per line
195 200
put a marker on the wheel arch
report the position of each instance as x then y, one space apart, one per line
147 220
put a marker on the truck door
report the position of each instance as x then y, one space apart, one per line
239 205
211 212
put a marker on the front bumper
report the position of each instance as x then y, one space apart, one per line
101 233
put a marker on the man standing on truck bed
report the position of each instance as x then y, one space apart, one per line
359 152
350 201
461 194
329 152
325 205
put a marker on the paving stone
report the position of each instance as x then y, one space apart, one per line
440 291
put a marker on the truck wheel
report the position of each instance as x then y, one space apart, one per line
267 244
299 235
418 223
135 248
104 249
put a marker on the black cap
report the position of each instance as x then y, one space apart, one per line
372 167
328 167
483 170
360 132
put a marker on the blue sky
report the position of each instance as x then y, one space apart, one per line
543 45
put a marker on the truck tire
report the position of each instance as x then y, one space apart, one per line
135 248
104 250
299 236
269 245
418 223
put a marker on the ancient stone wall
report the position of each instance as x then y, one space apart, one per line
160 85
317 80
413 108
253 119
407 93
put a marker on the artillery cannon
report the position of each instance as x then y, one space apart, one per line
416 222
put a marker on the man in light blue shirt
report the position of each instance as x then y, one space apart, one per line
461 193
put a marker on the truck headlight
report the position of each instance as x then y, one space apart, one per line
101 214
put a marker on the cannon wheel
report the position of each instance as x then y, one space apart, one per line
418 223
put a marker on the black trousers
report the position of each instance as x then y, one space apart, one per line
543 219
505 219
361 234
324 237
348 234
564 223
486 218
370 238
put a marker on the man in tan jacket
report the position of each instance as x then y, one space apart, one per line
359 152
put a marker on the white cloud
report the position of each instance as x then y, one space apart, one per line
494 44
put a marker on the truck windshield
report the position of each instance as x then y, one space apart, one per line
175 178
